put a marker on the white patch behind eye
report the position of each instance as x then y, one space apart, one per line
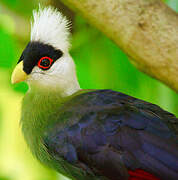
61 76
50 27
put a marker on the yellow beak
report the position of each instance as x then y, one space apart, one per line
18 74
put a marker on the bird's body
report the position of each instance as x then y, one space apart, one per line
88 134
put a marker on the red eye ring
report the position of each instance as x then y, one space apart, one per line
47 66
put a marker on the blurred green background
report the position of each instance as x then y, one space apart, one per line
100 64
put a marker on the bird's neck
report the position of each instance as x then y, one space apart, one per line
38 111
40 102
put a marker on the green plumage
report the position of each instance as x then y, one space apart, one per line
40 110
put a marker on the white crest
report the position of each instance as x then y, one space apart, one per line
49 26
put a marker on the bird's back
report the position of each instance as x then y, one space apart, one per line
111 134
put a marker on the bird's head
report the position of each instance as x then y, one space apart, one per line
46 61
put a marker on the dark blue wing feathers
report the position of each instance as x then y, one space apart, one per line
111 132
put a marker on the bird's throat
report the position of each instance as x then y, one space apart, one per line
38 111
39 103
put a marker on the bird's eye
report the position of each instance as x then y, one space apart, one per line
45 63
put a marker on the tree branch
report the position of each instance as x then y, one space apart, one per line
146 30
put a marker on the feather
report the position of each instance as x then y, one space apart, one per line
50 27
112 136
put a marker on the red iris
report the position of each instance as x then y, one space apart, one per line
45 63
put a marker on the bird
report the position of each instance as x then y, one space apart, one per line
88 134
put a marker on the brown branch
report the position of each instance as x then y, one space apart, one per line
147 30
